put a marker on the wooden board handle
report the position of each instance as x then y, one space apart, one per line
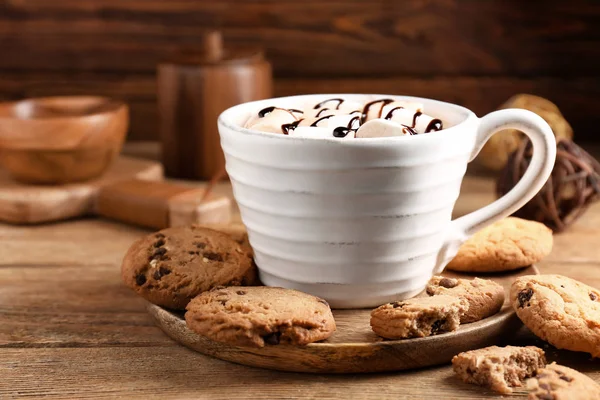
159 205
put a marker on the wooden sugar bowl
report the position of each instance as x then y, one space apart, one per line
56 140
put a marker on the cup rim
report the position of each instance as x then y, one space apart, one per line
226 116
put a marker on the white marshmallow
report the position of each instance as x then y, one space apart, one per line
423 122
322 119
341 120
381 128
272 122
311 132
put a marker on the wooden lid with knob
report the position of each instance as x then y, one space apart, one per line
194 87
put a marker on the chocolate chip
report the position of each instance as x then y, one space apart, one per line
164 271
470 371
593 296
430 291
272 338
524 297
565 378
545 386
448 283
397 304
160 242
562 286
223 302
213 256
157 275
140 279
159 252
437 326
199 245
241 292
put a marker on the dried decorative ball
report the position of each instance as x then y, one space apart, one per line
573 185
494 154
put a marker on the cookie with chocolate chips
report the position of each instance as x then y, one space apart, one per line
260 316
418 317
485 297
556 382
560 310
499 368
170 267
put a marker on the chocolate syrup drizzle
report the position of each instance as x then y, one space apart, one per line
268 110
417 115
434 125
287 128
316 123
320 111
409 129
367 107
343 131
340 101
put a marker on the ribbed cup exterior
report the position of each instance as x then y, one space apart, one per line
356 222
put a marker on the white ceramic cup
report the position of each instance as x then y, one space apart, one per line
362 222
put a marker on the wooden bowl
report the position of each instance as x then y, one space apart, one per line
61 139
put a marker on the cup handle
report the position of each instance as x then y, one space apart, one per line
538 172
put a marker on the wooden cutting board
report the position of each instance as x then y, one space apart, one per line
29 204
123 193
354 347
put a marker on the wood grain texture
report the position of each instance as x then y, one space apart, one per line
191 95
71 329
355 38
30 204
577 97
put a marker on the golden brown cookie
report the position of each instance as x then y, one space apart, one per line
258 316
499 368
560 310
236 231
508 244
556 382
485 297
170 267
418 317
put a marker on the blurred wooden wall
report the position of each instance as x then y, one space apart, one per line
473 52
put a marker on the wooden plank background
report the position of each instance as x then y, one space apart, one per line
473 52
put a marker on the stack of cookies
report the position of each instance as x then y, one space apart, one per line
209 272
507 245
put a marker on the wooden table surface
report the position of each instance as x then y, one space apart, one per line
69 328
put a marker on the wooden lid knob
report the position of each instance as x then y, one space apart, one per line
211 52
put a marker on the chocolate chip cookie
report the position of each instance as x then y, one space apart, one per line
236 231
171 267
418 317
560 310
556 382
508 244
485 297
258 316
499 368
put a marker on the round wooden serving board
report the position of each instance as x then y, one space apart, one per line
354 347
